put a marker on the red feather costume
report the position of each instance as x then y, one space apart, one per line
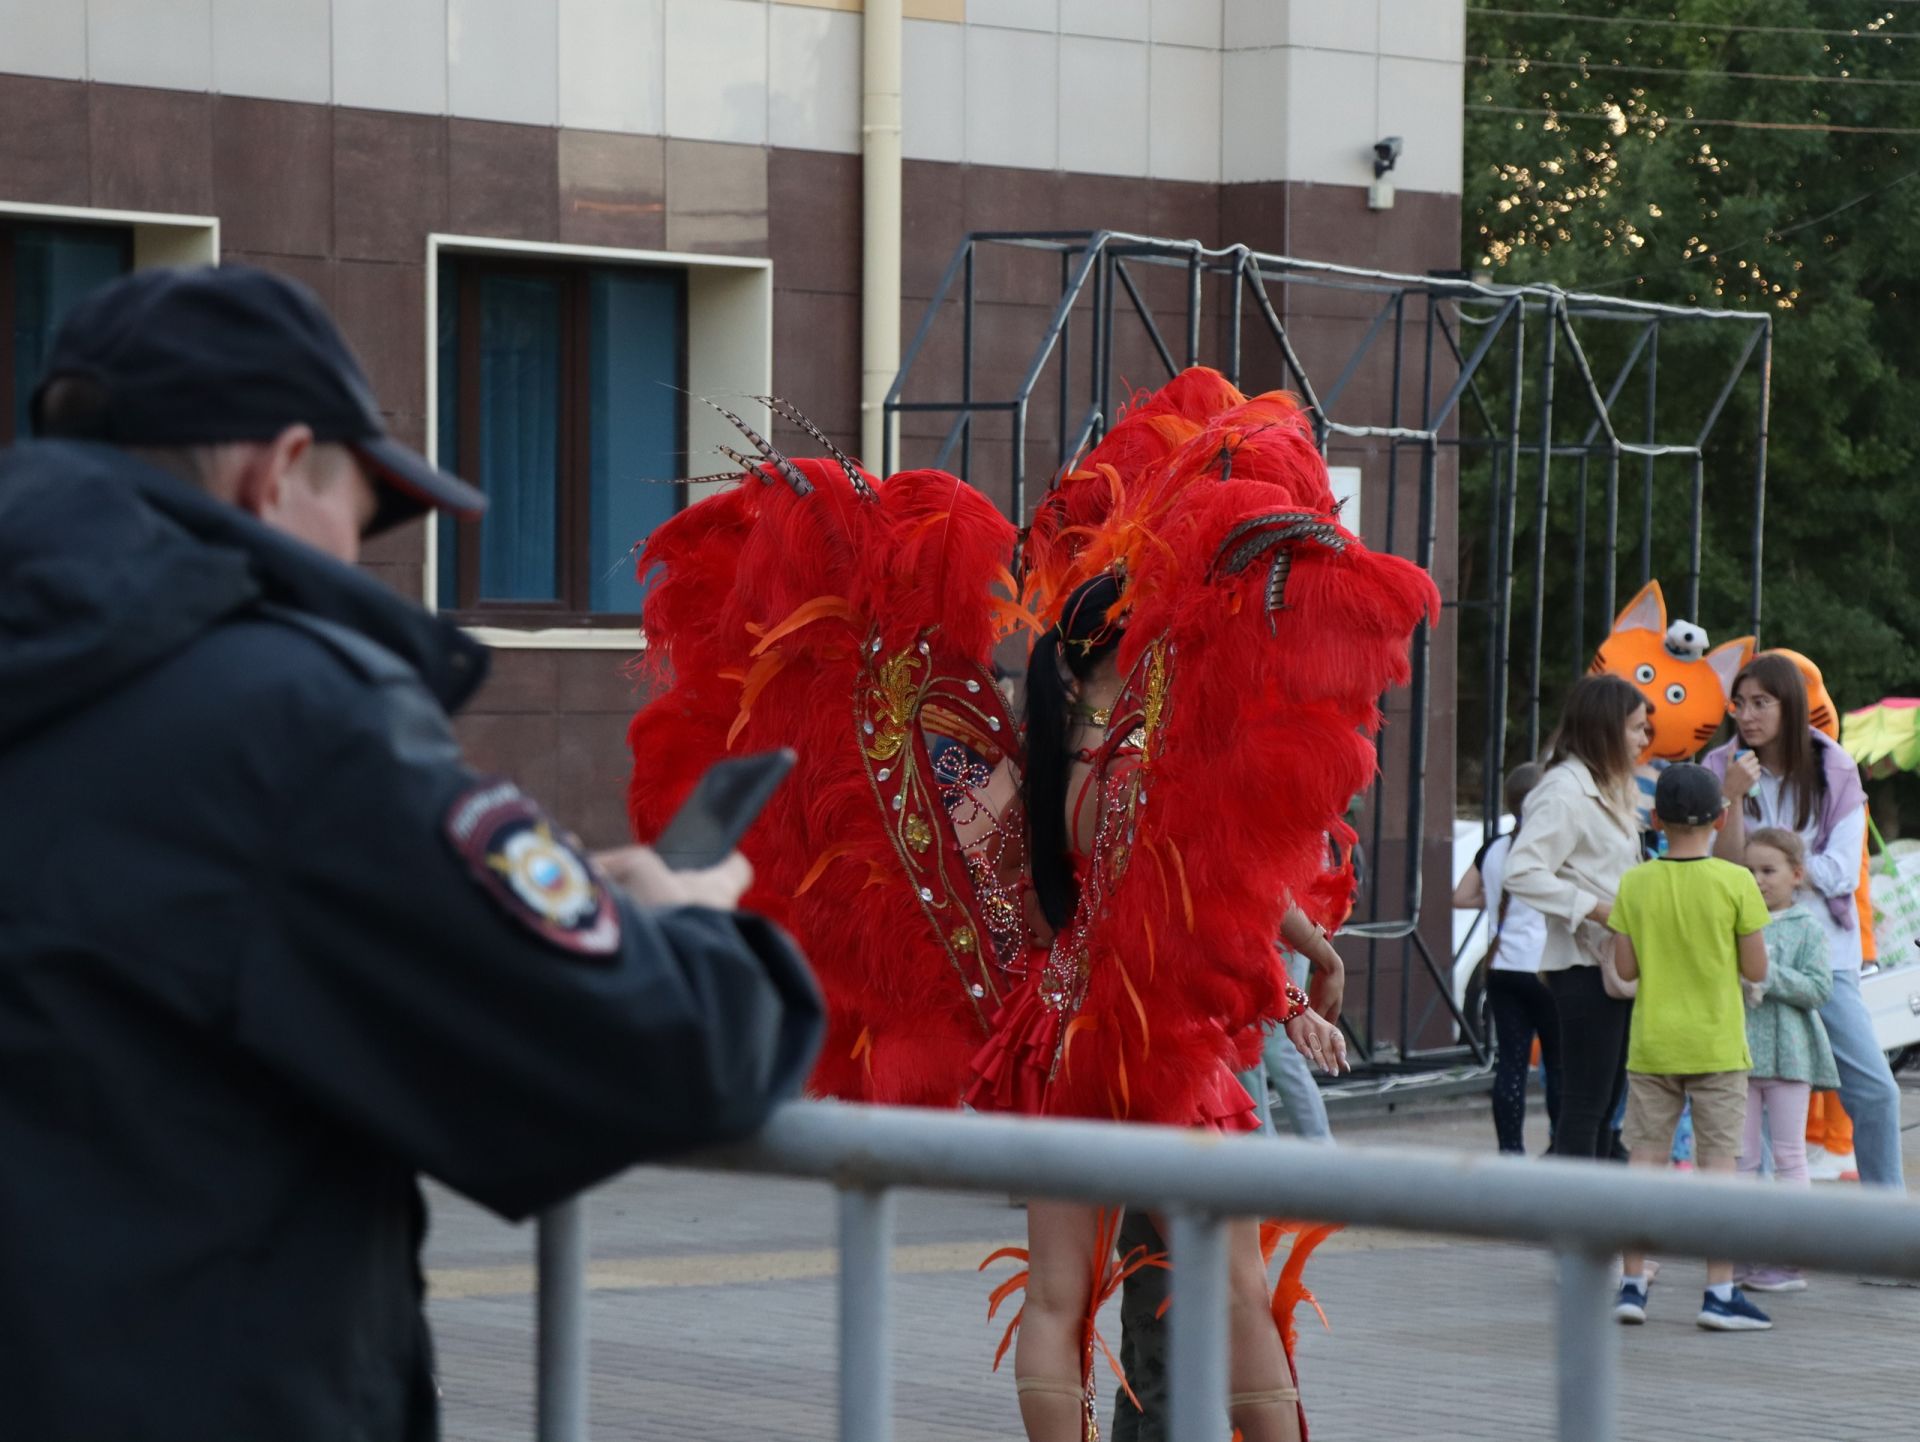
854 620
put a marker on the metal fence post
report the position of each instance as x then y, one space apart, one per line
1589 1346
562 1366
866 1357
1197 1355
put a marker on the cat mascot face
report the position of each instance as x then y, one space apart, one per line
1687 685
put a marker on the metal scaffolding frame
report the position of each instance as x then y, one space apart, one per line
1466 340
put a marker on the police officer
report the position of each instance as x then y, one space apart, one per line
268 949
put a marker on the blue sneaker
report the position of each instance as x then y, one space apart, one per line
1735 1315
1630 1306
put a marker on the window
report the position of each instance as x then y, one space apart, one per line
562 396
44 271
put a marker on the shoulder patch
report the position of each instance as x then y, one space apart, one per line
533 868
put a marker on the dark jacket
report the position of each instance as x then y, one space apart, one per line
258 969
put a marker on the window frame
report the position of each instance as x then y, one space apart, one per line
10 226
465 270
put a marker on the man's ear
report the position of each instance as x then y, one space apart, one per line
260 487
1720 821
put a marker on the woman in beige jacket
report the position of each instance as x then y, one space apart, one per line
1580 838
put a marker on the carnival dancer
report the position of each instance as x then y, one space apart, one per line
1237 700
853 619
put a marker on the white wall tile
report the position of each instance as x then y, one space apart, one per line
1331 116
503 60
1188 22
1103 125
933 61
814 75
1252 24
276 49
1337 24
1183 105
1253 115
1013 98
1015 14
1420 101
612 65
390 54
717 70
43 39
168 43
1424 29
1115 19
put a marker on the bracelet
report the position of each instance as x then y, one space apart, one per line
1297 1004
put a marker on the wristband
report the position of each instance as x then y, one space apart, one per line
1297 1004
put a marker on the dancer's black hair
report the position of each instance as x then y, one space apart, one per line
1084 638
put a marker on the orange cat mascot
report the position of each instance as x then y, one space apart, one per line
1687 686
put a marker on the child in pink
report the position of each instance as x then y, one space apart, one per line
1791 1054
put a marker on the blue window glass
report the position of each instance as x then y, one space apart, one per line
636 443
53 267
519 456
559 395
448 437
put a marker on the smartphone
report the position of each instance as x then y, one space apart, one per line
725 801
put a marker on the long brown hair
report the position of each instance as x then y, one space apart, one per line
1593 730
1799 757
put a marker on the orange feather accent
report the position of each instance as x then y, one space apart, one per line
1139 1008
1186 893
1074 1028
805 614
819 868
764 670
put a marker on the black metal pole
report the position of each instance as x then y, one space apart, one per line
1694 526
1066 357
1580 568
1537 680
1193 309
1646 463
1760 472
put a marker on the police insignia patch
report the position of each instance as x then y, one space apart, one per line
533 868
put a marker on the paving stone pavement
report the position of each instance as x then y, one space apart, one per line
712 1314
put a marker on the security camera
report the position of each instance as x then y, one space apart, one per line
1386 154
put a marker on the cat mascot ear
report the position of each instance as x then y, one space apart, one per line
1727 661
1647 612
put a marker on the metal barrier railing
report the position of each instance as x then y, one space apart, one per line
1584 1212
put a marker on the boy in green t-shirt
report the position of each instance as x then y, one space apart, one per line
1689 929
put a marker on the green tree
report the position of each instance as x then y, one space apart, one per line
1729 154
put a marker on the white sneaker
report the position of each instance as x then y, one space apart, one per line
1829 1167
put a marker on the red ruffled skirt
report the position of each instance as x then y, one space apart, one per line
1011 1074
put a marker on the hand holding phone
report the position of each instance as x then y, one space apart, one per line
707 829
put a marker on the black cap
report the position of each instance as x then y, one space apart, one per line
200 355
1687 795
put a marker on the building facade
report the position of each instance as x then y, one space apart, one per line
545 223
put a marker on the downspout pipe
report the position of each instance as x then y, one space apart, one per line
880 223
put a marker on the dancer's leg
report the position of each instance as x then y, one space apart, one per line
1046 1355
1264 1404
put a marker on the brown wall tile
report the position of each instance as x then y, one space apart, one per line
43 141
932 225
314 272
816 358
383 310
150 149
389 184
599 681
503 180
273 176
613 189
519 683
526 748
717 198
813 208
593 765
